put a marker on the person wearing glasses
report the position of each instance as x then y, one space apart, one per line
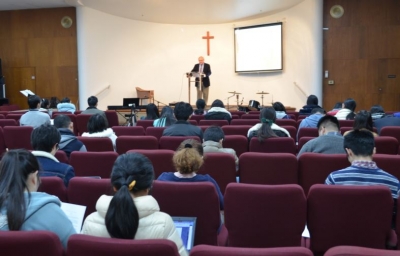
45 142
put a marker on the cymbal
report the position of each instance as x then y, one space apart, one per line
262 92
235 92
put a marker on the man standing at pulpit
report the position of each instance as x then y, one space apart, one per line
204 68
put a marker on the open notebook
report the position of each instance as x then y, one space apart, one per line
186 227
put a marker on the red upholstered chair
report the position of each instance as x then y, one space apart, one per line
125 143
236 129
18 137
93 163
192 122
112 118
235 116
239 143
250 122
251 116
286 122
77 112
239 113
144 123
81 122
214 122
255 113
71 116
8 122
308 132
128 130
292 116
344 250
314 168
210 250
273 145
388 163
43 243
94 144
2 143
14 116
62 157
261 216
196 199
348 215
302 141
204 127
221 167
173 142
83 245
391 131
345 129
292 130
56 113
160 158
53 186
86 191
346 123
386 145
270 169
197 118
155 131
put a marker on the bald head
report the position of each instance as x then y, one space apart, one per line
201 60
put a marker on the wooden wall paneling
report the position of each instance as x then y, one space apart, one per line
18 79
13 52
65 51
5 21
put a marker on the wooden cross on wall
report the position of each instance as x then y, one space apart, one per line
208 37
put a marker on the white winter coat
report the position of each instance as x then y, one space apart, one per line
109 133
153 224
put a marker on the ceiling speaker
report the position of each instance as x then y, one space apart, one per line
337 11
66 22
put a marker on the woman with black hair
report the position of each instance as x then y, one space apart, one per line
280 110
363 121
98 127
218 112
151 112
21 206
267 128
167 118
131 213
200 105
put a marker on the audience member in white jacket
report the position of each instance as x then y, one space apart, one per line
98 128
131 213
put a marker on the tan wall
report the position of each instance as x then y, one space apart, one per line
39 54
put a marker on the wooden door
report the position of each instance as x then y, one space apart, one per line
18 79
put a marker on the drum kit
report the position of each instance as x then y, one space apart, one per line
253 104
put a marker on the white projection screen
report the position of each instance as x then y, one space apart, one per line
258 48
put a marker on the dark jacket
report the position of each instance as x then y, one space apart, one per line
69 142
183 128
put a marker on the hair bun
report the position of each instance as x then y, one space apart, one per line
187 145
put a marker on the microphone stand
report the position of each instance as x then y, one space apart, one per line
158 103
228 100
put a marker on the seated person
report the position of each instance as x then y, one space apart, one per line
66 106
34 117
45 104
362 121
218 112
267 128
151 112
336 108
167 118
311 121
280 110
92 109
188 159
330 140
98 128
312 102
182 127
54 102
68 142
381 120
200 105
347 111
21 206
213 138
377 112
131 213
45 140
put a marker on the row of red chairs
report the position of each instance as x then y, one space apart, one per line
267 216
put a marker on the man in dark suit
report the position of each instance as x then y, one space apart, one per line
204 68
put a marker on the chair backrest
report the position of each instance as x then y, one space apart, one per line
239 113
235 116
81 122
210 250
62 156
128 130
388 163
193 122
286 122
348 215
155 131
214 122
86 191
359 251
250 122
2 143
251 116
144 123
197 118
270 169
53 186
251 222
302 141
14 116
8 122
239 143
308 132
173 142
314 168
345 129
392 131
71 116
160 158
346 123
126 143
273 145
43 243
221 167
18 137
95 144
291 129
386 145
196 199
112 118
93 163
236 129
253 112
83 245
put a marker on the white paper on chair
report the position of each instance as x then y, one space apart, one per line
27 92
306 233
75 214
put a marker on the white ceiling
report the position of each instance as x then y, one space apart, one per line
168 11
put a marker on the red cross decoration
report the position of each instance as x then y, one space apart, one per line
208 37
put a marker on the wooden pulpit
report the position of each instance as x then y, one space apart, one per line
145 95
